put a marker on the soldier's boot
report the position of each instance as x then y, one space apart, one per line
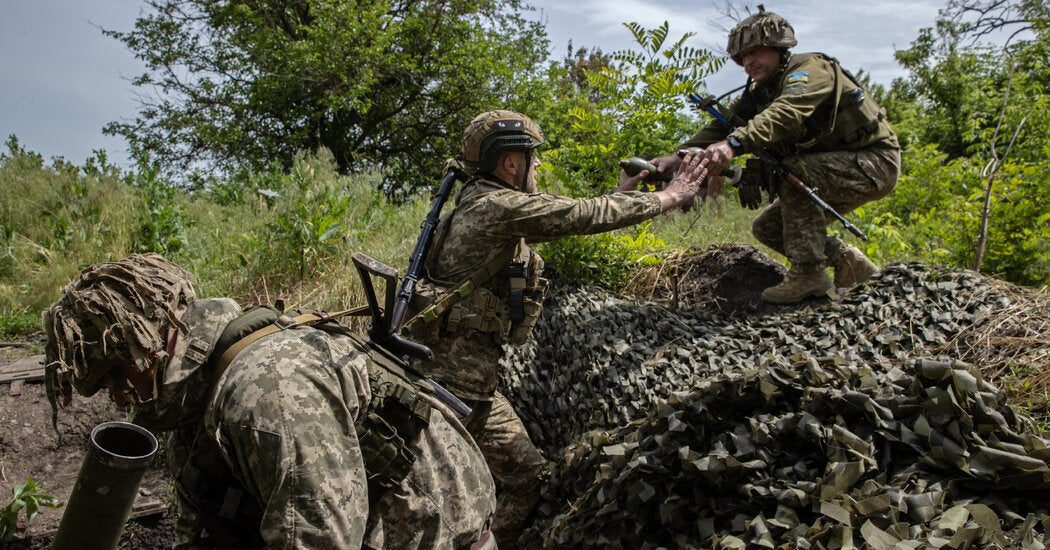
852 267
799 285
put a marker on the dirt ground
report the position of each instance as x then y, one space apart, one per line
725 277
29 447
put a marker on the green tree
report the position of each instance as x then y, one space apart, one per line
235 84
959 89
597 109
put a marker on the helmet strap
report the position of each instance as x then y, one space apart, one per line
528 167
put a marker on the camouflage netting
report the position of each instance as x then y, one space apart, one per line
815 428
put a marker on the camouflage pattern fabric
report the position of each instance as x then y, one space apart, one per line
795 227
281 420
489 218
817 428
808 112
121 305
792 110
512 458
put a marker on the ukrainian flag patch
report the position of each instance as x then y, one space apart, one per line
800 76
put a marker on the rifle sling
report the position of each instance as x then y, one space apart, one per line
307 319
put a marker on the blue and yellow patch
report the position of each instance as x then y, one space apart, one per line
800 76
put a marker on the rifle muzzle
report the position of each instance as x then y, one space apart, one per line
118 454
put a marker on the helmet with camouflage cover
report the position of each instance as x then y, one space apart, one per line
113 314
495 132
764 28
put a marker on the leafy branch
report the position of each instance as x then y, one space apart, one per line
29 497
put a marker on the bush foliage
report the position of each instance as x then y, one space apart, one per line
287 226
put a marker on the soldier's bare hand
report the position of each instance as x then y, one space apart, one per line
719 154
630 183
668 164
686 184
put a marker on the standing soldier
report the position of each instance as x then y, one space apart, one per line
483 287
300 435
833 136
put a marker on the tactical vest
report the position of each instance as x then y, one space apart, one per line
503 297
386 429
849 120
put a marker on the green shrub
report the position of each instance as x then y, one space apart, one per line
163 225
934 215
29 497
18 324
630 106
605 259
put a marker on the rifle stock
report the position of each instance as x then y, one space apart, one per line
388 318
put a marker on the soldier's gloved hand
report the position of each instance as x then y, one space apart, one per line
750 193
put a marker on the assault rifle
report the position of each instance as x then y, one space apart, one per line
387 320
710 105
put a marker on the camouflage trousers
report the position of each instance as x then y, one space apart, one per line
515 463
797 228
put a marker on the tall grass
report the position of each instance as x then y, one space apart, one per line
284 234
57 218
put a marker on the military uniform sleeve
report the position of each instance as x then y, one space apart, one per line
541 216
286 425
714 131
805 87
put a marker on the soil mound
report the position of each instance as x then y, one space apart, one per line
724 277
837 423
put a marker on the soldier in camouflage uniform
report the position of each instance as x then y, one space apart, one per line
483 284
833 136
271 453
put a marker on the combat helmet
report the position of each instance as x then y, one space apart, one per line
495 132
764 28
125 306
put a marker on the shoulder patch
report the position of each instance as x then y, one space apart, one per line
795 88
798 76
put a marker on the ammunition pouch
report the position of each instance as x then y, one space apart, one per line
496 299
395 417
531 308
858 117
849 119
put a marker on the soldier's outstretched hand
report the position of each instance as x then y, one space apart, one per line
686 184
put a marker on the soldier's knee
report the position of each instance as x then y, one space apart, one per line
765 231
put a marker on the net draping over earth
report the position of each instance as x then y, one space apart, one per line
844 424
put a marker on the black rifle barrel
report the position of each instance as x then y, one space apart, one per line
419 254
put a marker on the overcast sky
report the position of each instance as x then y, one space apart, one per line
62 80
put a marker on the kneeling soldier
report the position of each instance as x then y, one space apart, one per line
297 435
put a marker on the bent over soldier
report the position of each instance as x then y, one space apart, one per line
832 135
298 435
483 284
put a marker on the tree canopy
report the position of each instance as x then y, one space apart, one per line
237 84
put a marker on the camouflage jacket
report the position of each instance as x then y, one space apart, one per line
810 104
270 457
492 220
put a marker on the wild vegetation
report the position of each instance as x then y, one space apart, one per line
281 217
